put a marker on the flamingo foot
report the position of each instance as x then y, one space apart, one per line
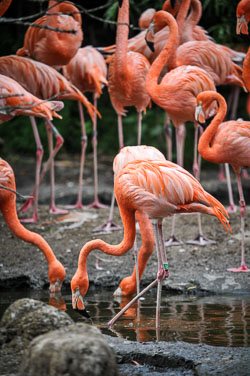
242 268
33 219
78 205
107 227
27 205
201 240
172 241
55 210
232 209
97 204
245 174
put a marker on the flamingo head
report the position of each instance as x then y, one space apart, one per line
243 17
205 109
127 287
56 276
79 287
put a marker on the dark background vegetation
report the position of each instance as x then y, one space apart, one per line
16 136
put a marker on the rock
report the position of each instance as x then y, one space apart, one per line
78 349
26 319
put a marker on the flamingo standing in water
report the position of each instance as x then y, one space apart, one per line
8 209
55 48
44 82
160 189
226 142
87 71
176 93
130 285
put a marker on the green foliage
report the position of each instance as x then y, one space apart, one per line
17 136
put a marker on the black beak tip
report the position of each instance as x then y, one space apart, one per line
172 3
120 3
83 312
150 45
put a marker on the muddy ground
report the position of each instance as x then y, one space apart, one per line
199 270
205 267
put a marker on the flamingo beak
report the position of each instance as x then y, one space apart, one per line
150 44
199 114
241 26
118 292
56 286
77 303
120 3
172 3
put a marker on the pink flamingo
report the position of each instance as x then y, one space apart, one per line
87 71
44 82
160 189
226 142
8 208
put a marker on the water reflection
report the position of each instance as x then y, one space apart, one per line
213 320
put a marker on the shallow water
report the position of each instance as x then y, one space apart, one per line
212 320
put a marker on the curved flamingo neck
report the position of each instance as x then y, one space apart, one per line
122 39
128 219
181 16
167 51
195 14
8 208
204 147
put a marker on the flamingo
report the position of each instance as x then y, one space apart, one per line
87 71
243 17
4 5
49 46
176 94
160 189
8 208
226 142
126 86
44 82
130 285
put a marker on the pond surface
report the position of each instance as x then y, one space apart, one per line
217 320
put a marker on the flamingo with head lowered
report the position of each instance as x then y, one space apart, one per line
160 189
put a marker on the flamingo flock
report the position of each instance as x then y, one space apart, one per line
172 62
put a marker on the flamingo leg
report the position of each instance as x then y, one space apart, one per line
200 239
84 143
168 133
243 267
139 126
95 203
180 140
232 207
59 141
39 156
110 225
136 252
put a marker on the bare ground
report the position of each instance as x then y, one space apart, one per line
21 264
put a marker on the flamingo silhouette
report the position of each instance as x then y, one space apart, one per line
8 209
51 47
226 142
87 70
176 94
160 189
44 82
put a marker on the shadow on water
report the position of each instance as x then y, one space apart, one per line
213 320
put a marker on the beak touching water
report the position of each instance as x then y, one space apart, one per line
77 303
56 286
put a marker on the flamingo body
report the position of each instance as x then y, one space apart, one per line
52 47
